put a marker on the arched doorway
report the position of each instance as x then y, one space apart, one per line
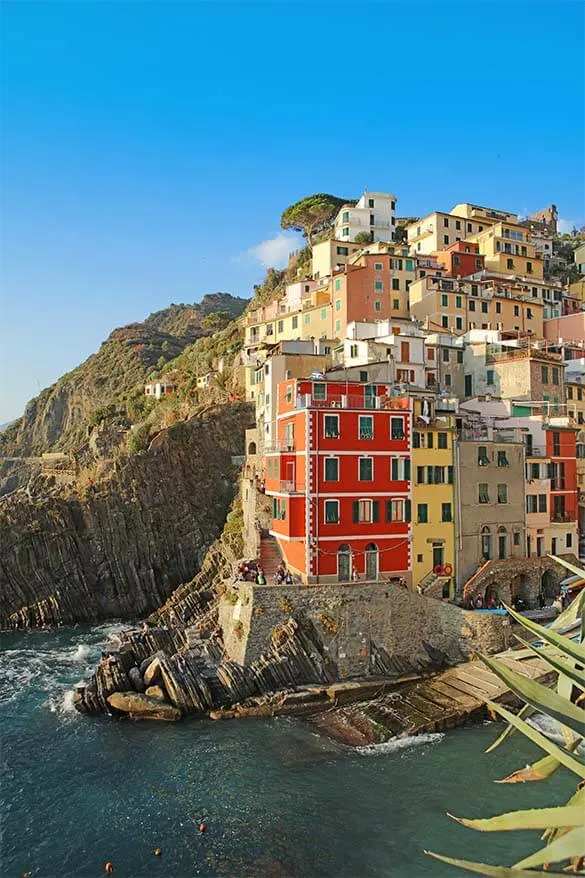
486 543
491 597
344 563
502 543
549 587
252 448
521 588
372 561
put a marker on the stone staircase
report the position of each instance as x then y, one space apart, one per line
270 556
432 585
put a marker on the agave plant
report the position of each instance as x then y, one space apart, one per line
563 827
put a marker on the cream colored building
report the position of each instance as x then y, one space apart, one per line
440 230
328 255
374 213
507 249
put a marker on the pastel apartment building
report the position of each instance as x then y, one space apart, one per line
340 481
374 214
437 230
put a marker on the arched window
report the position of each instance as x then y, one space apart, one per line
372 561
502 542
252 448
344 563
486 543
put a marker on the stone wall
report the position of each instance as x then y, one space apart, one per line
365 628
518 577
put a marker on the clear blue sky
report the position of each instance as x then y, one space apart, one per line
148 147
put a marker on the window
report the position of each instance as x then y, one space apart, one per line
529 313
459 356
516 538
442 440
395 510
449 475
370 202
446 512
280 326
295 322
556 443
372 220
331 469
541 503
416 440
471 306
338 304
555 375
422 513
482 456
483 495
353 351
478 263
445 222
278 509
395 304
365 511
409 265
445 300
529 268
395 283
490 376
458 323
331 430
377 305
484 307
445 355
502 493
531 503
569 392
458 302
331 511
420 475
338 326
469 227
345 216
456 260
337 284
400 469
445 321
445 239
323 313
458 225
429 440
319 391
378 266
502 459
343 251
307 318
397 428
366 427
378 285
569 540
509 263
486 543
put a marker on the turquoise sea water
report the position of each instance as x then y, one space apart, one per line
279 800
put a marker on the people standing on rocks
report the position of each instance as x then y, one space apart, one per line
280 574
260 578
288 580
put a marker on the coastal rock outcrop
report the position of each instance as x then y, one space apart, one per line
120 548
139 706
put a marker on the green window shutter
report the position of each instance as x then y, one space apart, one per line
407 513
394 469
407 469
356 511
375 510
388 510
430 475
450 475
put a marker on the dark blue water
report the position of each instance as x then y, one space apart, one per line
279 801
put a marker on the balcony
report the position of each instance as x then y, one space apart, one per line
306 401
289 487
282 445
561 518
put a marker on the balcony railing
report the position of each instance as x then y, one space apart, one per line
289 487
373 403
561 517
286 445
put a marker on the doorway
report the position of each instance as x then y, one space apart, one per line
438 555
371 562
344 563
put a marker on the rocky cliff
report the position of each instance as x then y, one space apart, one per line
120 547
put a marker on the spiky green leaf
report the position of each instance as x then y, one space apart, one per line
486 869
567 667
541 698
534 818
526 711
571 761
564 644
571 844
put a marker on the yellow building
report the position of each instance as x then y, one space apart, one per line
433 501
438 230
329 254
507 249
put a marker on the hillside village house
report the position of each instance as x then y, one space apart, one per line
374 213
159 388
437 230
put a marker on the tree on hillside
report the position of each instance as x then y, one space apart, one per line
216 319
312 215
363 238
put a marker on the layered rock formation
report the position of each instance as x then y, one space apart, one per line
123 545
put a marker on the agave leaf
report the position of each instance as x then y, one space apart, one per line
576 800
572 844
533 818
573 762
486 869
540 770
564 644
541 698
566 668
526 711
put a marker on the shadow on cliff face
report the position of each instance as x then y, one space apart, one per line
123 546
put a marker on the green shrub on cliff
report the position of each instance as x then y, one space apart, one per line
139 438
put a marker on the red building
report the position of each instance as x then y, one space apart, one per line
460 259
339 478
561 447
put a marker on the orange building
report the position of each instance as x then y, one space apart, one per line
460 259
339 478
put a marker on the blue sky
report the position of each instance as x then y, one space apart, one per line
149 148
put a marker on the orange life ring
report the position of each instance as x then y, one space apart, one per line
438 571
448 569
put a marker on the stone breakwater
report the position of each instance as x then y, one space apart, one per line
227 649
120 549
